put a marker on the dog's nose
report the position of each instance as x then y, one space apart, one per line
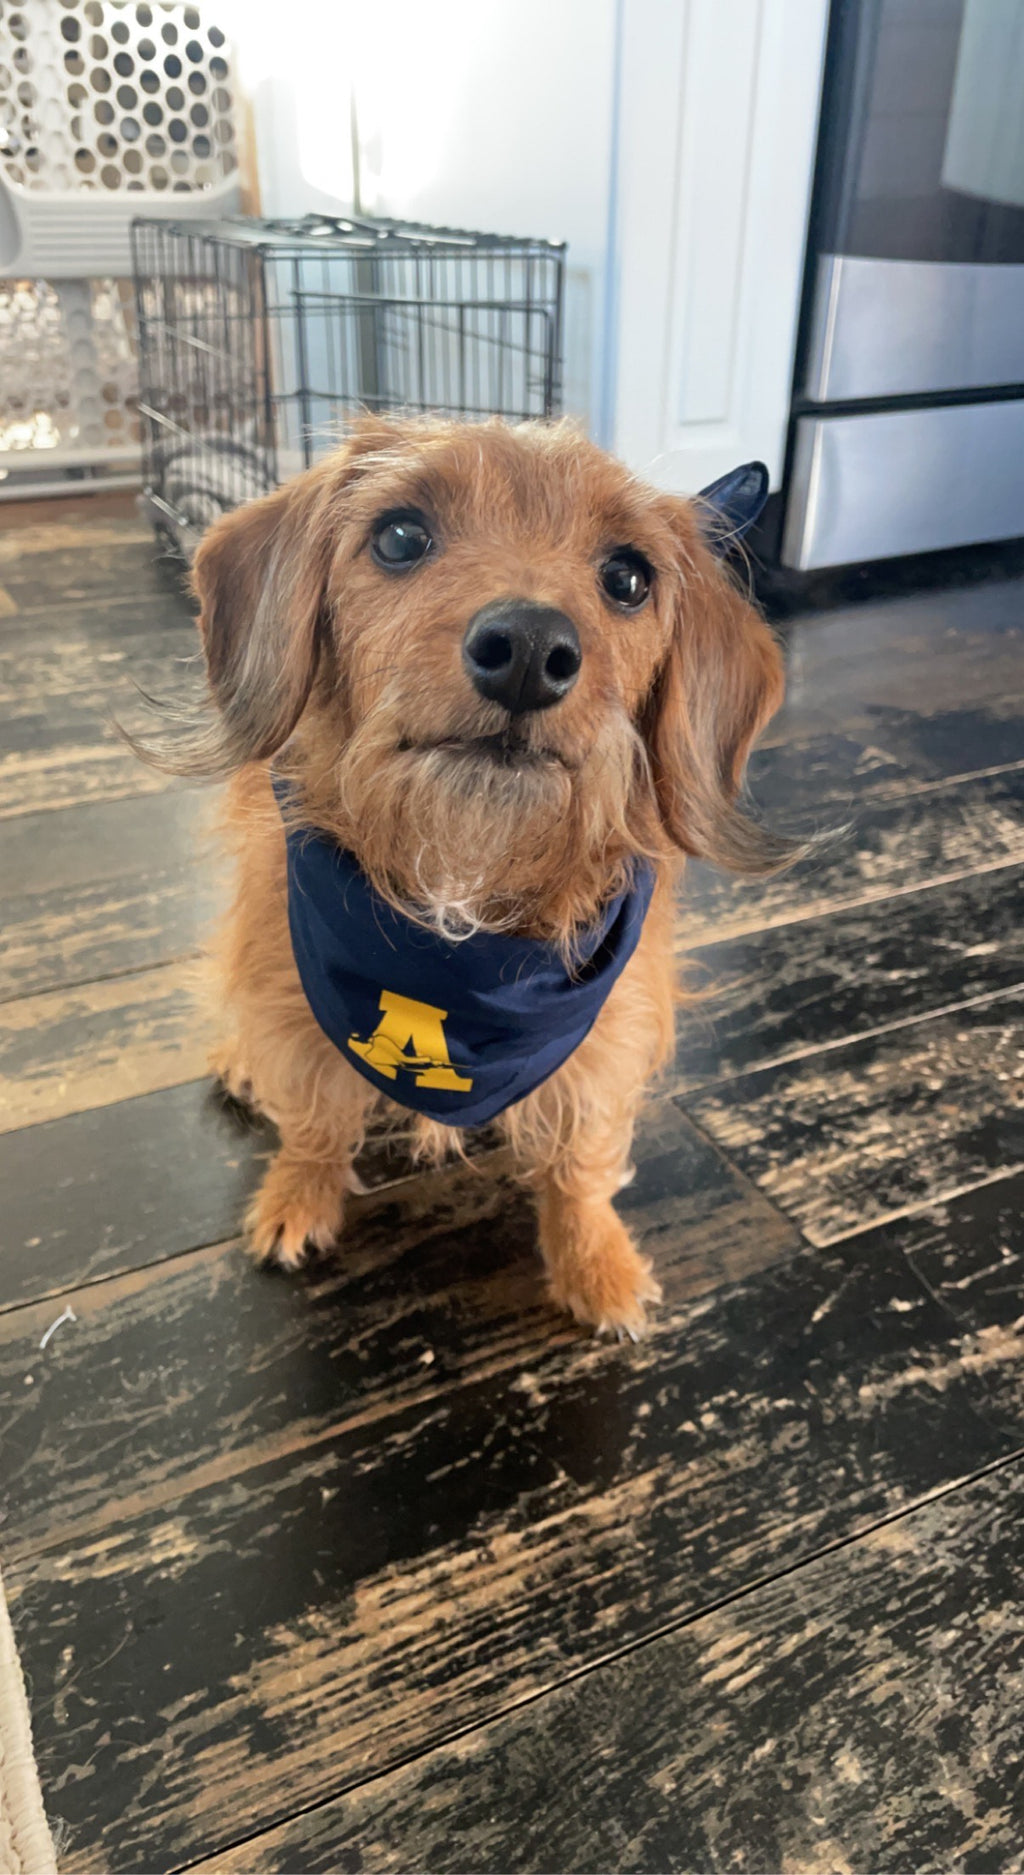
521 655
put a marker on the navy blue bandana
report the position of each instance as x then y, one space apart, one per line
458 1031
737 499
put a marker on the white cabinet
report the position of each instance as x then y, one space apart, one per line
717 122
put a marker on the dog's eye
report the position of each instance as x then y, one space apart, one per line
399 540
626 578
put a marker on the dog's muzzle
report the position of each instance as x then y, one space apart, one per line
521 655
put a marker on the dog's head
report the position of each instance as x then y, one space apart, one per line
495 664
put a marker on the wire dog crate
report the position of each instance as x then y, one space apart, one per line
259 339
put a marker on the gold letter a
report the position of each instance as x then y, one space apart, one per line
410 1035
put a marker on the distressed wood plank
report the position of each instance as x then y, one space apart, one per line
807 776
269 1640
92 771
969 1254
38 527
860 1714
920 655
69 662
121 1186
797 987
58 738
94 564
66 1050
821 780
436 1279
849 1135
955 741
57 651
57 748
96 844
89 661
930 836
39 728
103 888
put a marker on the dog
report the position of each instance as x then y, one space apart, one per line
476 693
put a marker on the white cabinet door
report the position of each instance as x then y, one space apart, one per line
718 112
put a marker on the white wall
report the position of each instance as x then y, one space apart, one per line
296 66
670 142
490 114
520 143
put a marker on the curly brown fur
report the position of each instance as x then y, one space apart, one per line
350 678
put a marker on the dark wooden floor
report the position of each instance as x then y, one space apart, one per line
388 1568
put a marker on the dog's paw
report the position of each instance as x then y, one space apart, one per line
608 1286
224 1064
294 1215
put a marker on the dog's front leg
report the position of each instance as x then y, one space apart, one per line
574 1136
299 1206
594 1269
297 1210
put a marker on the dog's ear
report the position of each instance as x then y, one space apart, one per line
260 575
720 683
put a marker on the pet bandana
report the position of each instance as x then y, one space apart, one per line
738 499
459 1031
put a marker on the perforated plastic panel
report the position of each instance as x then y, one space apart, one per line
67 373
107 108
119 96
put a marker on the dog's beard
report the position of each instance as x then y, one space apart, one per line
484 834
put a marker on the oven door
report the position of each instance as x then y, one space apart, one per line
918 231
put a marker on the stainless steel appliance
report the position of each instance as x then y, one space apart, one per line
909 408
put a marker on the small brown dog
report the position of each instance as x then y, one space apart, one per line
509 687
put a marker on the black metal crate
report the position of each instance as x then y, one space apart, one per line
258 340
